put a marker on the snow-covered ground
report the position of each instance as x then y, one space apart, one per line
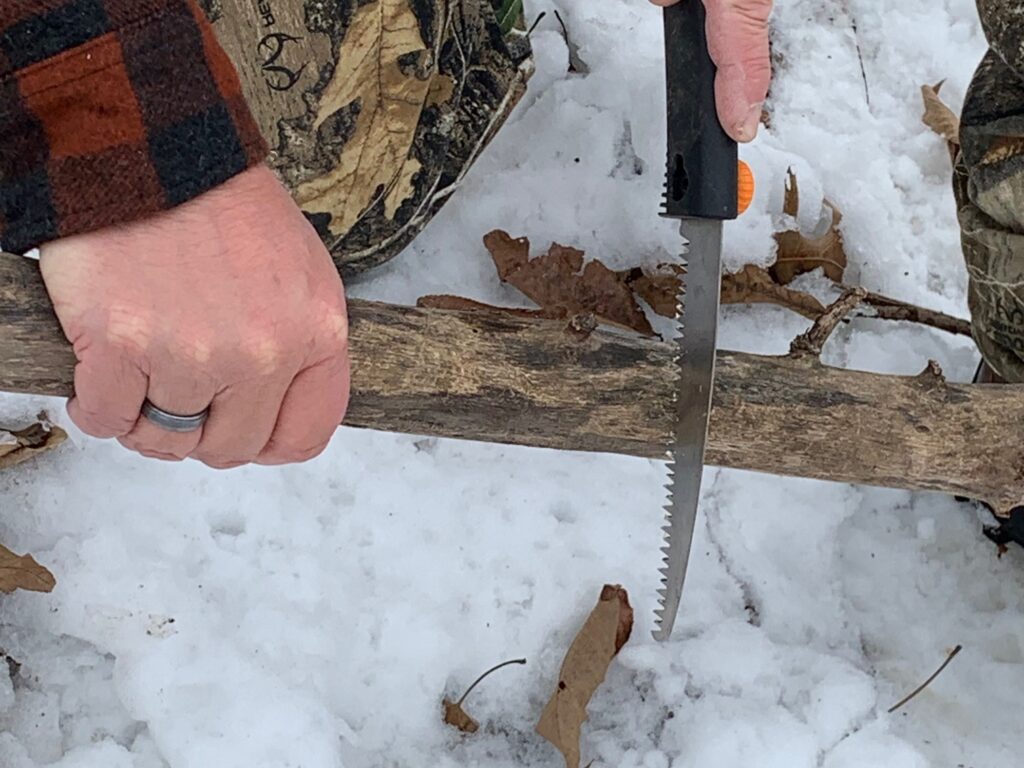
314 616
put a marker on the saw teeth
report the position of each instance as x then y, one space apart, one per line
670 484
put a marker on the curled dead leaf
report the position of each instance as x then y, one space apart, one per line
938 116
586 663
560 283
20 445
23 572
456 716
798 253
659 288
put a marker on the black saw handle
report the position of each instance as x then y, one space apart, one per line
702 159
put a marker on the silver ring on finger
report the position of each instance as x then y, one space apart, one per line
172 422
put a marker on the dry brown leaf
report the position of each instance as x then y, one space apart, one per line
660 289
798 254
751 285
17 446
938 116
23 572
371 71
586 663
456 716
560 284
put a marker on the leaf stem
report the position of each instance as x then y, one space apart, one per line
485 674
926 683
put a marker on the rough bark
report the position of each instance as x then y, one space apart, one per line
507 379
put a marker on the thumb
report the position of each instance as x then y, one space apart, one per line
738 43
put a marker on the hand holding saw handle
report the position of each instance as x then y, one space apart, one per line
738 40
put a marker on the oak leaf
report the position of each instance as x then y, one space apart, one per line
938 116
560 283
798 253
586 663
373 73
23 572
660 288
751 285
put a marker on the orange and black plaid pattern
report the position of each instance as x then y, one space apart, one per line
112 110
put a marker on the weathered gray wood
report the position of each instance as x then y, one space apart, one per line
489 376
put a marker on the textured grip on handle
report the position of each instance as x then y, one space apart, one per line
702 159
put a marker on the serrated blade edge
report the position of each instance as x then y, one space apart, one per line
696 373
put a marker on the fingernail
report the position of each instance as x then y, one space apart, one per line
746 130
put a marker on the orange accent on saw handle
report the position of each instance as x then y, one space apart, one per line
745 187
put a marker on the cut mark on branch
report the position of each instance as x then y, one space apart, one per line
926 683
811 342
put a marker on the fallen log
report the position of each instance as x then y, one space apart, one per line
501 378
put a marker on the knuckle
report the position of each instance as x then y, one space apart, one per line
264 351
336 326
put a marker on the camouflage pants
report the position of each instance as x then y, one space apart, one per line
989 187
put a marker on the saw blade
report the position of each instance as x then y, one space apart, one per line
696 341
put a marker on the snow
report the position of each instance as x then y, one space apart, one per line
313 616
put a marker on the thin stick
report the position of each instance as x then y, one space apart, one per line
886 308
754 285
926 683
860 54
485 674
576 64
811 342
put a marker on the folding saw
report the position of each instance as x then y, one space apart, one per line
701 189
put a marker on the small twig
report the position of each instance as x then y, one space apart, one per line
576 63
812 341
536 21
485 674
860 56
886 308
926 683
755 285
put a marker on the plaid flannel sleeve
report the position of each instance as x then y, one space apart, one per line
110 111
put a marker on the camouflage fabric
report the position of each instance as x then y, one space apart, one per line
374 110
989 187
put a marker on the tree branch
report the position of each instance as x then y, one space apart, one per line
811 341
494 377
